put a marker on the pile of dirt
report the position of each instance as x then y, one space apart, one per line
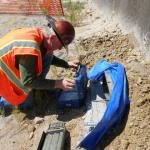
113 45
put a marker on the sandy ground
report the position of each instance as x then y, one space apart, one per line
95 39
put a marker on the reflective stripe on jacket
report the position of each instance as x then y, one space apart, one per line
17 42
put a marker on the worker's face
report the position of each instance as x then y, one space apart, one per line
54 42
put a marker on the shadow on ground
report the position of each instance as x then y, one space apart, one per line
45 104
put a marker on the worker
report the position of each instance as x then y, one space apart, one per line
25 58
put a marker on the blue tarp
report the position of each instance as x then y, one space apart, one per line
118 103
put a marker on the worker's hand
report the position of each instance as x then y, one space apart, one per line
64 84
74 65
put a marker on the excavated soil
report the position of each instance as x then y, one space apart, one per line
21 131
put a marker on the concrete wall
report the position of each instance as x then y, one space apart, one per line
133 16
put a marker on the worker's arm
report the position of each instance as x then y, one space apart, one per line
29 78
59 62
27 68
62 63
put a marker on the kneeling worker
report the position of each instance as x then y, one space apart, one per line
26 55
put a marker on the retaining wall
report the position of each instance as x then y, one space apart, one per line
132 15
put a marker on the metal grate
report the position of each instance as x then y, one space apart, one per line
54 138
32 7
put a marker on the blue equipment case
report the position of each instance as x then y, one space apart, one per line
74 98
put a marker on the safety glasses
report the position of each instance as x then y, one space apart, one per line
51 24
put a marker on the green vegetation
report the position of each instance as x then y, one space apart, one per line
54 71
101 49
73 11
20 116
44 11
2 112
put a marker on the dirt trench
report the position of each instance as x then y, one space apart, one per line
113 45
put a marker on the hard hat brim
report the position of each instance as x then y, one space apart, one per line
51 24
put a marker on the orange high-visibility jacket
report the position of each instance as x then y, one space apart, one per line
17 42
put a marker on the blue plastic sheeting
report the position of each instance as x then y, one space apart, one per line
4 103
74 98
118 103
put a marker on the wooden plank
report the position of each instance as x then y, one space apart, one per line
98 97
109 82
